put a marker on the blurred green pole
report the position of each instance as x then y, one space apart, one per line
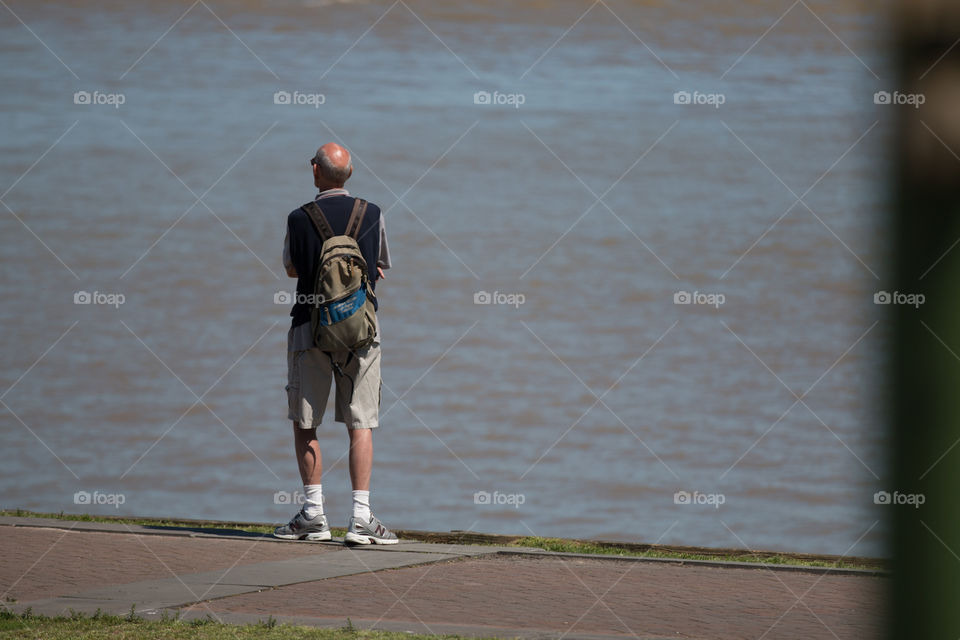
925 364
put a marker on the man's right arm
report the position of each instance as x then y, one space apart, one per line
383 259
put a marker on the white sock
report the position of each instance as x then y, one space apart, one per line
361 505
313 505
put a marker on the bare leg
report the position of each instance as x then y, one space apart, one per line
361 458
308 454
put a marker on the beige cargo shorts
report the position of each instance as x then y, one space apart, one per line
310 374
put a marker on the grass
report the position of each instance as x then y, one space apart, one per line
550 544
102 627
574 546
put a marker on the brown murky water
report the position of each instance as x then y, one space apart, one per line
583 190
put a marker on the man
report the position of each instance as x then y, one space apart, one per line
310 371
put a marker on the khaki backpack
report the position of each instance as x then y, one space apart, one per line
342 316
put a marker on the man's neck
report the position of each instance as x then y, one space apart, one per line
332 191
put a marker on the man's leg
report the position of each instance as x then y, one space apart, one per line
362 409
364 528
361 463
310 462
309 522
308 455
361 458
307 386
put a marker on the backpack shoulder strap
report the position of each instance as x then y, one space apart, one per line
319 220
356 218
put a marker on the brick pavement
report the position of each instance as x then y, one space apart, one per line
562 594
423 587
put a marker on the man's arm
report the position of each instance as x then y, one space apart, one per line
287 263
383 260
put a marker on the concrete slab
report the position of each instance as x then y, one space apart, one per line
191 588
202 532
310 568
114 527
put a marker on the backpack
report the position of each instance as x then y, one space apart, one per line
342 315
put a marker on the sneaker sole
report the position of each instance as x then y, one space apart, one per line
355 538
321 536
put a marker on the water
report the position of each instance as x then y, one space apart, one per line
597 200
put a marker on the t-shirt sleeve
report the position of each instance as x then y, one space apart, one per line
384 260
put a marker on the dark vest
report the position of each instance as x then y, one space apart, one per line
305 245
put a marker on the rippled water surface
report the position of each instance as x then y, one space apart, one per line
597 200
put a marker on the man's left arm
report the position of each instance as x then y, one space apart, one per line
287 262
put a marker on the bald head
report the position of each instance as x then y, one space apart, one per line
331 166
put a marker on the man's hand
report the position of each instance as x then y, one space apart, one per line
380 271
291 271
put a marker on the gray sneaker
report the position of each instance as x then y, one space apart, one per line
370 532
300 528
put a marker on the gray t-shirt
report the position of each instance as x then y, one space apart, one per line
299 338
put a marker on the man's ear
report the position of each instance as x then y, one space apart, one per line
351 172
